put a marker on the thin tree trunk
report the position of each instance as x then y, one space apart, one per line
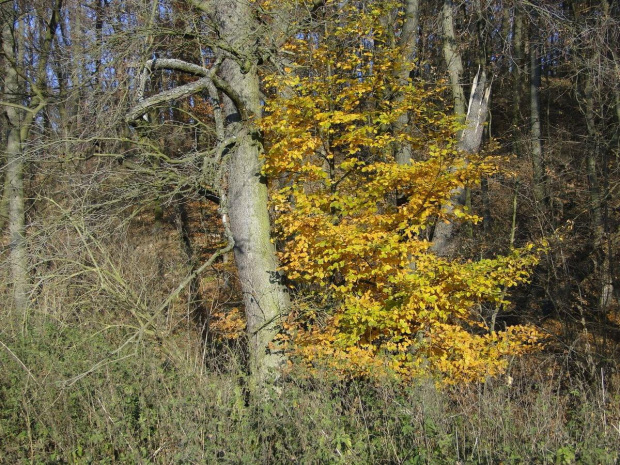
18 258
519 80
487 218
540 194
24 104
595 195
4 200
453 60
408 45
597 200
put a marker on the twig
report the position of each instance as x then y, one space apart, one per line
19 361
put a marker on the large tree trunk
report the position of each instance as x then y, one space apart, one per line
243 192
244 202
265 298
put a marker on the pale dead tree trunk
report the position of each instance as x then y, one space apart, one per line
483 26
243 196
22 103
469 142
470 137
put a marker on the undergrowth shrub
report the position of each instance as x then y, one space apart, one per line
93 374
153 402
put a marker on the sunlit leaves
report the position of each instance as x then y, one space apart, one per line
353 224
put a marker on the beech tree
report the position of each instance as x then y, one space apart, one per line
392 305
343 112
232 82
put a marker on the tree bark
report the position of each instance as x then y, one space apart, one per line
540 191
470 137
4 201
408 44
597 196
469 142
453 59
18 258
244 190
266 299
519 81
24 97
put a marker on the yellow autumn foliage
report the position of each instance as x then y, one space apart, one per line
391 306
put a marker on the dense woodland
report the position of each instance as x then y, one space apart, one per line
310 231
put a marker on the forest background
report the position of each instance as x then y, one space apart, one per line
311 231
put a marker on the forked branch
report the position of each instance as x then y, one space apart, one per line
208 77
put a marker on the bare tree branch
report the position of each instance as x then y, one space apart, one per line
178 92
208 78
